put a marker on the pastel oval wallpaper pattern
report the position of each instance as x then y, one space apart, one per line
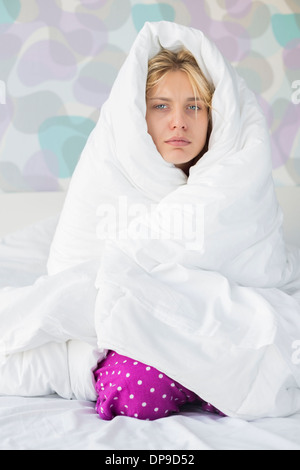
59 58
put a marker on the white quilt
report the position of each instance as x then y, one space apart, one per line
191 275
52 422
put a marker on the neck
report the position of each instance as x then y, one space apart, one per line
185 167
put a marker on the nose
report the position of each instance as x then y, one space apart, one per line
177 120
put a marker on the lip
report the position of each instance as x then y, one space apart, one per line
178 142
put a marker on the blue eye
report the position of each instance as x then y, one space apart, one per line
194 108
160 106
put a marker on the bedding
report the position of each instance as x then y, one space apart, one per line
225 292
191 267
54 423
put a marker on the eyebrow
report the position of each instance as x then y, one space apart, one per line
162 98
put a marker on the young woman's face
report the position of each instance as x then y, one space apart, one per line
176 122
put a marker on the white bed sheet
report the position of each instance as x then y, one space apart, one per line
48 423
52 423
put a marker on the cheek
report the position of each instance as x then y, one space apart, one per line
149 122
153 128
200 131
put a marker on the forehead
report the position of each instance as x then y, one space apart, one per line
173 83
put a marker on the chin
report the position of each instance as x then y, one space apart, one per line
182 161
178 160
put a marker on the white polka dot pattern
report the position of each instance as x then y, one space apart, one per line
130 388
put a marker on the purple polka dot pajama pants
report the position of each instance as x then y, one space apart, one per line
130 388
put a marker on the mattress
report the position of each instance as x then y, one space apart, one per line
27 224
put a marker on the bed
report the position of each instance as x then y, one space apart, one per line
27 224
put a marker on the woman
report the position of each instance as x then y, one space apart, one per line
168 268
178 98
200 307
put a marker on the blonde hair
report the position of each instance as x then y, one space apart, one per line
166 61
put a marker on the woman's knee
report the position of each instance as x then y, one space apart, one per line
131 388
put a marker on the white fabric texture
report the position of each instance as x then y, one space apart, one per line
51 422
215 306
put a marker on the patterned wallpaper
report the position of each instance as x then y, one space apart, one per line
59 58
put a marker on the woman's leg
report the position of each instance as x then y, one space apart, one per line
130 388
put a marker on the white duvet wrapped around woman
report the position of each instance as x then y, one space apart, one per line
188 272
